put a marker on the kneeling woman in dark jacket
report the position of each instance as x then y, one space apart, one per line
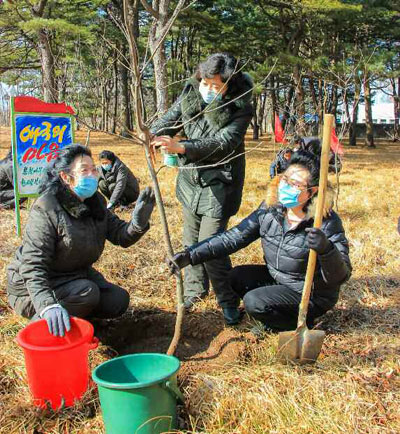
117 182
52 275
272 292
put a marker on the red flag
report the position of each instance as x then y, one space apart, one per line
336 146
279 133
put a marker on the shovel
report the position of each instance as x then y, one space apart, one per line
303 345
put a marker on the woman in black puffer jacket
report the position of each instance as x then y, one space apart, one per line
272 292
52 275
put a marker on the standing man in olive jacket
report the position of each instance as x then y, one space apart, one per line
213 114
117 182
52 275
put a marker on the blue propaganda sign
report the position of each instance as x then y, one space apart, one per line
38 138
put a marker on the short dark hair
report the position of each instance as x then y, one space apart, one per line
309 161
108 155
223 64
51 179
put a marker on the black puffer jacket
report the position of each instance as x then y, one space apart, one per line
6 173
286 253
213 133
313 144
124 185
63 238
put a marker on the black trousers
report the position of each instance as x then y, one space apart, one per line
84 298
107 190
276 306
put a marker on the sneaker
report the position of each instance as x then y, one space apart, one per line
232 315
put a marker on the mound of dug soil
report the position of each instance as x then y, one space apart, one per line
206 344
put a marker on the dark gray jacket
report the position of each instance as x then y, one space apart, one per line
214 133
6 173
286 252
124 185
63 238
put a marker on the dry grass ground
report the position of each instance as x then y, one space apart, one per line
354 387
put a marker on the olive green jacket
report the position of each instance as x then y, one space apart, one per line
213 135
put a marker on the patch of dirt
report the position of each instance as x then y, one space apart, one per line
206 344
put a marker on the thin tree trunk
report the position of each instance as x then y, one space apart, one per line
396 109
127 117
261 111
255 118
161 78
369 138
300 107
115 112
353 124
274 107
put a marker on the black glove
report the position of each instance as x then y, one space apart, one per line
179 261
57 320
143 209
318 241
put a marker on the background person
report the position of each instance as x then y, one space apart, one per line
272 292
7 200
281 162
52 276
213 114
117 182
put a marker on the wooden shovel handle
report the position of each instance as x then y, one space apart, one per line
323 180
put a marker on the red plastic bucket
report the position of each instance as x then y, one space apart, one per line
57 367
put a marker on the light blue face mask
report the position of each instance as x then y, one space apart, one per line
209 95
87 187
106 167
288 195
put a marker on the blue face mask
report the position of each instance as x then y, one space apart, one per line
209 95
87 186
106 167
288 195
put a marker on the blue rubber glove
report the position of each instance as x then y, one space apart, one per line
57 320
143 209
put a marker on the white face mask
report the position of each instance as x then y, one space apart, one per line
208 94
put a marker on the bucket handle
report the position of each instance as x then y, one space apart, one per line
174 390
94 343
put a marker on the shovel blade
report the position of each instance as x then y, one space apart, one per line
300 346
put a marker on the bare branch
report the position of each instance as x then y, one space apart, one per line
150 10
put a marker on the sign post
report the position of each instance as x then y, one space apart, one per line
38 131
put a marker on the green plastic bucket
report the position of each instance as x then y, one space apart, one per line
138 393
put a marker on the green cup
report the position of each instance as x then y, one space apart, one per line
170 160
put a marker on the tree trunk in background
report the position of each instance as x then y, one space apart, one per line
261 111
127 116
43 47
115 107
300 107
321 88
159 58
287 110
353 124
335 100
160 77
47 62
396 109
274 107
369 138
256 127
